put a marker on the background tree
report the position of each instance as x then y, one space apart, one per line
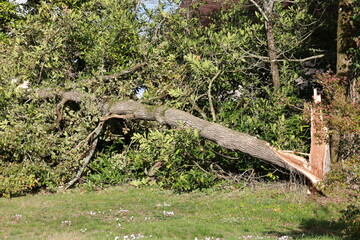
346 35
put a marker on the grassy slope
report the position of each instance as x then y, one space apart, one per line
261 213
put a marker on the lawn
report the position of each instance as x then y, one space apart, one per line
124 212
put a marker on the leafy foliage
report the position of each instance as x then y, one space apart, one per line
8 16
341 112
172 159
59 47
219 72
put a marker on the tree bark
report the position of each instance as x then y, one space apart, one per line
268 7
223 136
345 38
346 32
267 12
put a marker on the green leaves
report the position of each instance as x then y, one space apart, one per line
169 156
200 66
84 45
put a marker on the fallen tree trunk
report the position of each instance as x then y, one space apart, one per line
223 136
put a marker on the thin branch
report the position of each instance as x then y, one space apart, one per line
266 59
89 155
153 98
219 173
138 3
225 156
128 116
116 75
58 110
303 59
213 171
102 120
202 169
199 110
260 10
85 163
41 71
210 97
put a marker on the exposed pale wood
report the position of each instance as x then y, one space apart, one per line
319 161
116 116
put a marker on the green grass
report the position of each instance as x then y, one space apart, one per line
267 212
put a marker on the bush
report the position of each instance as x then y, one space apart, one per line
173 159
16 179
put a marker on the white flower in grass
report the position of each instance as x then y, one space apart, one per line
163 205
133 236
67 222
247 237
168 214
17 217
284 238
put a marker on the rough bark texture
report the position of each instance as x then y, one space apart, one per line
268 7
346 31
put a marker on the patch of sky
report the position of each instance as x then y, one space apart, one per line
19 1
170 4
140 92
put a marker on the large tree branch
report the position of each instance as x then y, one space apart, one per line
223 136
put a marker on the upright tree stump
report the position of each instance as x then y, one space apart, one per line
319 162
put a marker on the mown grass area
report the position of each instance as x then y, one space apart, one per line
264 212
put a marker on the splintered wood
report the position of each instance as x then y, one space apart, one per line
319 161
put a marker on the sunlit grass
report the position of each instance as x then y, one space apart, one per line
144 213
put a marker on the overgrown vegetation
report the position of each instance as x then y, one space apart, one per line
118 49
